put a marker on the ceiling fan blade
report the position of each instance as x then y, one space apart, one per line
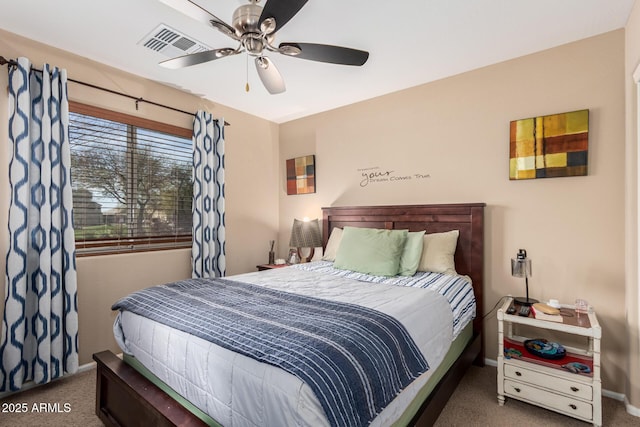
281 11
197 12
270 76
198 58
325 53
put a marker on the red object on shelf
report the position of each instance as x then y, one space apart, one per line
516 350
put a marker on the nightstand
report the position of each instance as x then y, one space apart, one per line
548 383
269 266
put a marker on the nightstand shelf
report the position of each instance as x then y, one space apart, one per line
546 383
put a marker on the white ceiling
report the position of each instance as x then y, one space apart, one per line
411 42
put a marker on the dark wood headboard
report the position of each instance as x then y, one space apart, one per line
468 218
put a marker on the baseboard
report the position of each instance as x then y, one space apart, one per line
614 395
86 367
631 409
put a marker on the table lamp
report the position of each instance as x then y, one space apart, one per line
521 267
306 234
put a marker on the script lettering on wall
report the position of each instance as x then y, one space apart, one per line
378 175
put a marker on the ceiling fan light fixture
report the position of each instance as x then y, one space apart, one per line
269 74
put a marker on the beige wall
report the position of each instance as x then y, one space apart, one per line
251 182
457 131
632 57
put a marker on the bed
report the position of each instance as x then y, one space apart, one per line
124 396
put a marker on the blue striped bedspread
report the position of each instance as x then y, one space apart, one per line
455 288
355 359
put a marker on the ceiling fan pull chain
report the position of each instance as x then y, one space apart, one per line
246 86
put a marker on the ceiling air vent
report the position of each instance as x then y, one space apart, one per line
171 43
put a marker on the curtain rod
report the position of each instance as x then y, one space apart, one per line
11 62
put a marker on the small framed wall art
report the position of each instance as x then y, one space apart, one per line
549 146
301 175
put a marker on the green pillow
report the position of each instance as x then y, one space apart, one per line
411 254
371 250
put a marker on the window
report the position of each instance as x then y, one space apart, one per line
132 182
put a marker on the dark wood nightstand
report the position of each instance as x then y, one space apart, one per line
269 266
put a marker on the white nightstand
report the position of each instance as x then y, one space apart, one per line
544 383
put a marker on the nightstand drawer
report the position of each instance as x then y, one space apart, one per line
566 405
560 385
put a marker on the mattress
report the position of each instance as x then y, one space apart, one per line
238 391
456 349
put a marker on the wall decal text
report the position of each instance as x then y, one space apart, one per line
377 174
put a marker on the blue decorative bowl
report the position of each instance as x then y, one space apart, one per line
545 349
577 368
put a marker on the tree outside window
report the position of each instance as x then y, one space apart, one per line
132 185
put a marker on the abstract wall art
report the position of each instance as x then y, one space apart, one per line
549 146
301 175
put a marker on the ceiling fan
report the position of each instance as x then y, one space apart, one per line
253 28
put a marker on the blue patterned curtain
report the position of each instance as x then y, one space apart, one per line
208 249
40 322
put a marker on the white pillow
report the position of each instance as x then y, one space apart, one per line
332 245
438 252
